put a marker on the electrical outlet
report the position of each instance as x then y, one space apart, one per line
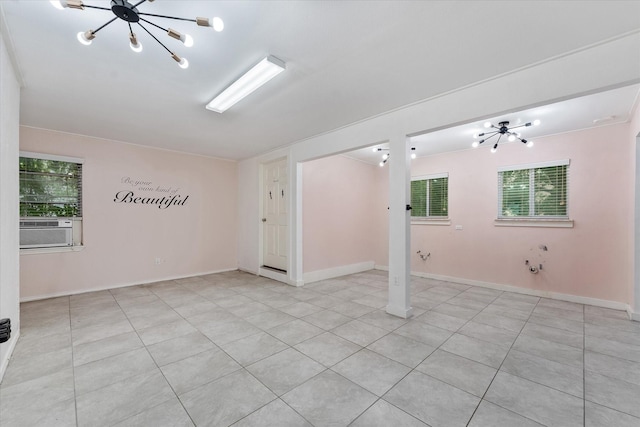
458 227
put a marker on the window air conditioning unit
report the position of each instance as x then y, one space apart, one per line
46 233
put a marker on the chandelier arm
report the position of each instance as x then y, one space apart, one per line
165 16
104 25
492 135
155 38
498 141
138 4
96 7
155 25
516 127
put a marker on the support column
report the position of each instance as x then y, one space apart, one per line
399 227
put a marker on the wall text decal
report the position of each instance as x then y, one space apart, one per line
168 196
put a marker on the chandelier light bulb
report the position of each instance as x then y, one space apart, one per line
385 156
381 164
475 144
218 24
494 148
487 124
188 40
529 144
134 44
536 122
86 37
184 64
511 138
374 149
413 155
57 4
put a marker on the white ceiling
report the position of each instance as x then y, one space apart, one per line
346 61
600 109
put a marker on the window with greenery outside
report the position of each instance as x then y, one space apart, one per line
430 197
50 188
535 192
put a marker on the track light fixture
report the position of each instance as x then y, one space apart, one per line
385 156
501 130
131 15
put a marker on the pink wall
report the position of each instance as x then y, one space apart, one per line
337 205
590 260
122 241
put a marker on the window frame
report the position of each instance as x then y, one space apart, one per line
431 219
77 220
554 221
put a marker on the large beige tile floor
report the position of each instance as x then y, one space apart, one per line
236 349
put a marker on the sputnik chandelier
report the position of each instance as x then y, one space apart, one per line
131 15
501 130
385 156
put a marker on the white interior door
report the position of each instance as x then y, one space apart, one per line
275 215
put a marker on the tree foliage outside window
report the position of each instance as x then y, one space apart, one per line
535 192
430 197
50 188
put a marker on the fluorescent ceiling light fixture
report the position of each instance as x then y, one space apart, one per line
261 73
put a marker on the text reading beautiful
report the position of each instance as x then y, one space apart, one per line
168 196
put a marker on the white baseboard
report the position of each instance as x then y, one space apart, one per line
343 270
119 285
12 346
632 314
527 291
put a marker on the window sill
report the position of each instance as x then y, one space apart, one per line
530 222
36 251
430 221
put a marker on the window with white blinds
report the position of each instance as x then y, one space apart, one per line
534 191
430 196
50 186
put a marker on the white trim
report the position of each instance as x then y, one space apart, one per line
54 157
425 220
533 222
56 249
614 305
342 270
12 346
527 291
400 312
121 285
430 176
564 162
632 314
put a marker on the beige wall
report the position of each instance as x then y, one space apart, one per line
122 241
590 260
9 258
337 208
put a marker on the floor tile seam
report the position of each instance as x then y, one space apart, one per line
526 334
389 403
609 407
612 328
498 371
449 384
279 396
73 369
610 377
622 359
